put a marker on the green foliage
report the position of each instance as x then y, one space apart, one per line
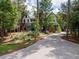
61 21
9 15
8 47
20 4
46 6
21 7
74 23
36 28
50 20
59 28
22 36
73 20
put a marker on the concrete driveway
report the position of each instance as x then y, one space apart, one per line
52 47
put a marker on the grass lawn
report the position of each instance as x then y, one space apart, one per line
8 47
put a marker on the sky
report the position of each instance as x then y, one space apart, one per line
56 4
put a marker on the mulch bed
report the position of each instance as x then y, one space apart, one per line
71 39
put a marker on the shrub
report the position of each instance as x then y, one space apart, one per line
36 28
22 36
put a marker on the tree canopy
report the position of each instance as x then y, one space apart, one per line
9 15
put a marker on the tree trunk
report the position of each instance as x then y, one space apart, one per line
68 19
